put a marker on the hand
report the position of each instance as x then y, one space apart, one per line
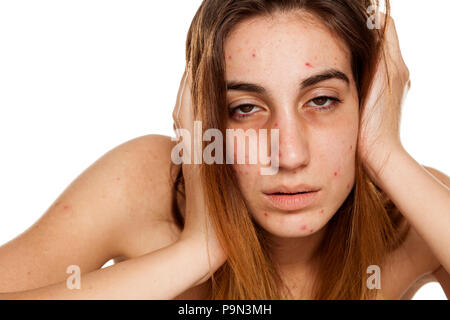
380 122
197 227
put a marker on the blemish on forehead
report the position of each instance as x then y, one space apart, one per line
265 214
253 55
118 179
321 211
351 147
279 154
303 227
276 124
229 57
66 207
308 65
335 173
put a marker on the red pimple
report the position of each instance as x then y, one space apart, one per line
66 207
348 186
335 174
253 55
265 214
321 211
229 57
310 231
308 65
276 124
303 227
351 147
118 179
280 154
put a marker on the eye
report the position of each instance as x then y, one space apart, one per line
323 103
243 111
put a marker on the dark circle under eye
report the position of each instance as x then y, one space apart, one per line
320 101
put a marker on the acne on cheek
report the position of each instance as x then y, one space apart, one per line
265 214
303 227
308 65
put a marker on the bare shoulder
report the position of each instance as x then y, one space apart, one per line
414 264
149 223
120 206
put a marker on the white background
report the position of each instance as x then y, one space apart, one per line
78 78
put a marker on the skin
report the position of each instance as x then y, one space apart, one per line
316 147
126 198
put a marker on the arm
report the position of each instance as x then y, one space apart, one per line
162 274
443 277
422 199
105 213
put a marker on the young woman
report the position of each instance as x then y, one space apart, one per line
346 199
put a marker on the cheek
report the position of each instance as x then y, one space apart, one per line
248 180
337 156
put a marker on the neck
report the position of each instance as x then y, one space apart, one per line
295 252
296 261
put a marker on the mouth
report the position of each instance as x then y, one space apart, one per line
291 201
289 193
291 190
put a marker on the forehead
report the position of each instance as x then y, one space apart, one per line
283 44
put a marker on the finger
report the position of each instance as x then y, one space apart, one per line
185 110
176 111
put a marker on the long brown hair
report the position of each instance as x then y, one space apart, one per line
367 225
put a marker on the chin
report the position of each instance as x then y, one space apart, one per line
292 230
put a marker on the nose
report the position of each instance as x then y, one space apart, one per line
293 142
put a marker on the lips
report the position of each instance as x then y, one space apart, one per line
291 190
291 198
291 202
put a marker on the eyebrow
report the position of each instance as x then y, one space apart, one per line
308 82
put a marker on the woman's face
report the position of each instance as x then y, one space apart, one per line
317 136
